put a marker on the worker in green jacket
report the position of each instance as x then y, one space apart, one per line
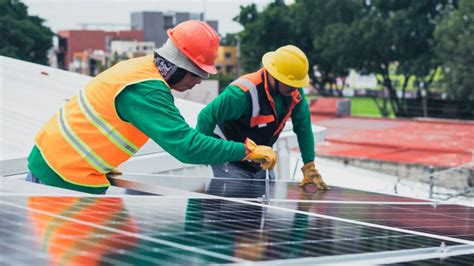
121 108
257 106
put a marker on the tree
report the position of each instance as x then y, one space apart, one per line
304 25
321 27
455 50
263 32
230 39
395 32
224 79
382 37
23 36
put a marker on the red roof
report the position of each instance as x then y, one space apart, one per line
443 143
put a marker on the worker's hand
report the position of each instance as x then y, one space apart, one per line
312 176
113 173
261 154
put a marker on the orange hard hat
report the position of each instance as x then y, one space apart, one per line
198 41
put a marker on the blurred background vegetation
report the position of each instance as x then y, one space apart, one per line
425 47
23 36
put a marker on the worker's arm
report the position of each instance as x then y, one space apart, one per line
231 104
150 107
301 119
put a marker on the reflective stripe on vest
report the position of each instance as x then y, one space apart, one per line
82 148
257 119
253 94
103 126
255 103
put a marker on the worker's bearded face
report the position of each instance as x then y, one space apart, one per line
281 88
285 89
188 82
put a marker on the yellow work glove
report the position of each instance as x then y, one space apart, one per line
113 173
312 176
261 154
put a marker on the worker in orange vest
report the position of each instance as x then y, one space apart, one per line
257 106
120 109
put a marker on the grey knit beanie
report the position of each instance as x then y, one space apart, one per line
171 53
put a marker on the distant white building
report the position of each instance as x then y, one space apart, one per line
131 48
356 81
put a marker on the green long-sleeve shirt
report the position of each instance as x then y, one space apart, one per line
232 104
150 107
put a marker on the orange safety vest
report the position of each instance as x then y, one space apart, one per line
264 126
86 138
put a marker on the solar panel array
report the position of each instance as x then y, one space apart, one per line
228 223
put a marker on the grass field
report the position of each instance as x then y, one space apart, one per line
365 106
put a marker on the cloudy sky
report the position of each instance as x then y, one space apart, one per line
73 14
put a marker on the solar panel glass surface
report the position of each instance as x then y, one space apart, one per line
445 220
156 230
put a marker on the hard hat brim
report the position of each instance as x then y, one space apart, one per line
209 69
267 61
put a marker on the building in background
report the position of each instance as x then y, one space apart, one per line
155 24
89 52
76 44
226 62
89 62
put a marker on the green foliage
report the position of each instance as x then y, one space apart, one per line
23 36
247 15
455 49
410 83
396 32
223 79
230 39
100 67
371 37
322 31
263 32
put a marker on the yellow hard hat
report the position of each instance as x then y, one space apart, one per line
289 65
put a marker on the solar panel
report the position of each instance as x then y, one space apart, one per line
167 229
204 221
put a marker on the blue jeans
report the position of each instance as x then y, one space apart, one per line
231 170
32 178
